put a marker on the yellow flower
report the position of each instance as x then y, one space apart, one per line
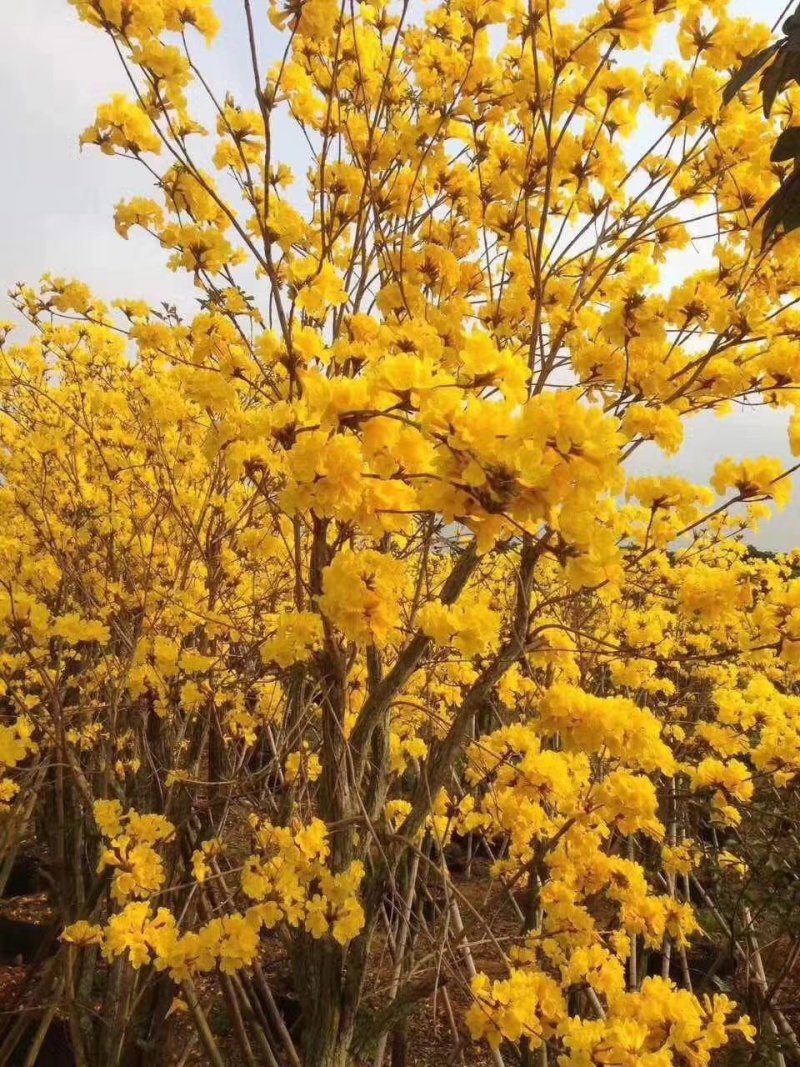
83 933
362 595
320 286
108 816
122 124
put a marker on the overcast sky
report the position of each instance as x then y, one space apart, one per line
56 202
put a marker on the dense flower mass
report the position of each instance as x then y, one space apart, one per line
348 570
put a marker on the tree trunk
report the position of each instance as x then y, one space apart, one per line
327 1024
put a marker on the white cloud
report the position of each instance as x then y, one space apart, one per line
56 202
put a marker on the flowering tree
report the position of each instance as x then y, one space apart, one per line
347 566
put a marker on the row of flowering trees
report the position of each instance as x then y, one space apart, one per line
348 566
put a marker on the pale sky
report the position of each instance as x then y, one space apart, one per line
56 202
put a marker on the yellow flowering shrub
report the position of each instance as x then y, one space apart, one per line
349 568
